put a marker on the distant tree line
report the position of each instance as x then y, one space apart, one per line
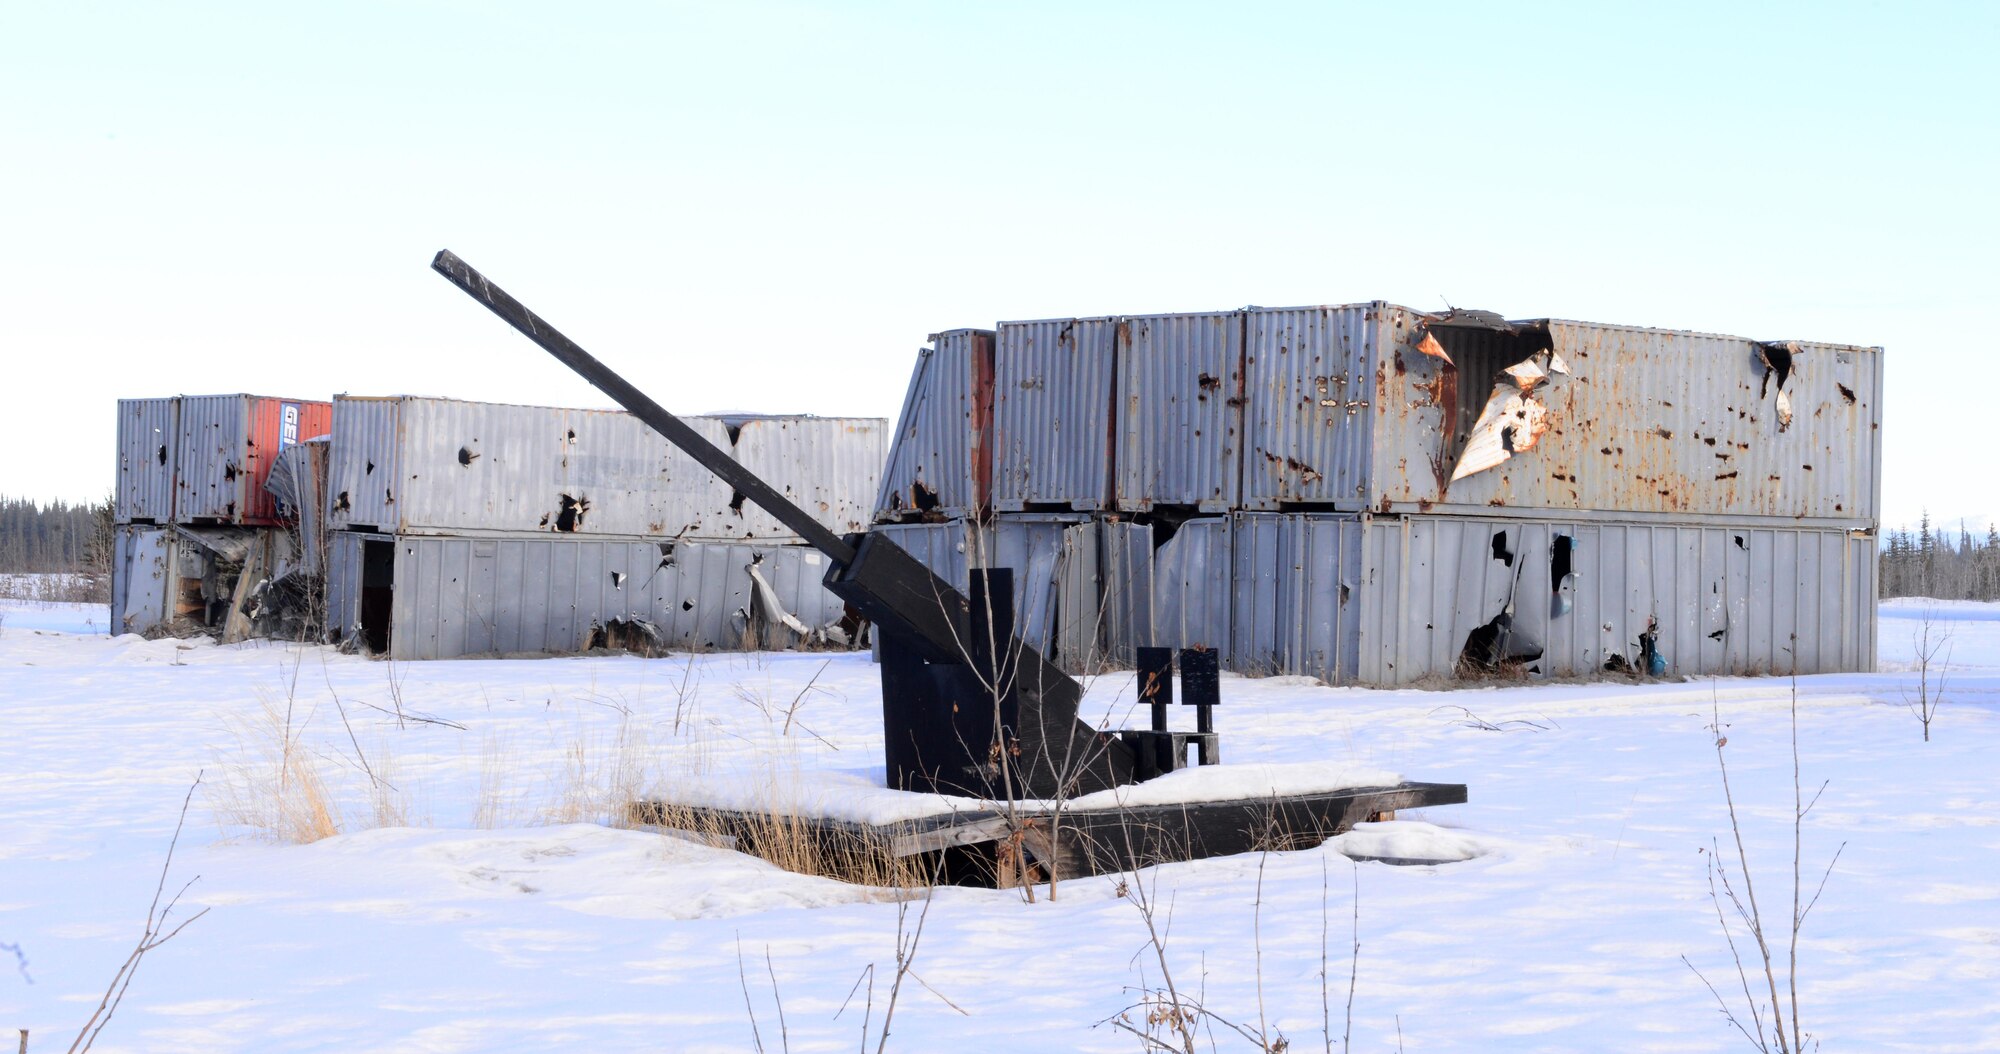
57 537
1944 564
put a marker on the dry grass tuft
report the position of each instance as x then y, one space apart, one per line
281 792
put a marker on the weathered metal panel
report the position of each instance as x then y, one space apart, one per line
1057 607
1295 595
143 576
542 594
1722 599
1191 586
413 464
148 441
947 549
1127 561
343 586
1179 411
1647 421
941 459
1053 383
1309 387
829 466
225 447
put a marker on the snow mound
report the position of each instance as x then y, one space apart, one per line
1406 841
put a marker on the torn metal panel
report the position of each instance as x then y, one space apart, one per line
1053 385
225 446
148 445
298 485
1179 411
144 577
1191 593
940 459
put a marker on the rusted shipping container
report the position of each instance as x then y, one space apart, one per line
1052 414
225 446
148 442
940 464
1179 411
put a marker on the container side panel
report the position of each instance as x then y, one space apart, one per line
829 466
362 468
1053 393
148 445
940 459
1179 411
1308 390
1191 586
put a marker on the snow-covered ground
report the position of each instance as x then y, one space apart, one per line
480 921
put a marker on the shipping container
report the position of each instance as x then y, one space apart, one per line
1295 594
829 466
940 463
148 442
1179 411
441 596
224 449
1058 606
1053 382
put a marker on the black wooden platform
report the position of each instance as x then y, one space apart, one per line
991 847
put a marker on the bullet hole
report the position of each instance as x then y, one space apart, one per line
1845 392
687 605
1725 475
340 502
617 579
1664 433
924 498
369 470
388 496
736 502
1500 550
1740 545
1209 382
1344 592
465 456
545 520
1808 468
229 471
163 454
1560 550
569 515
1606 451
1710 440
569 435
1719 634
229 510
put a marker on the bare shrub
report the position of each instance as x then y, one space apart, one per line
1928 640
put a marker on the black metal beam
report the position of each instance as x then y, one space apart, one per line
713 458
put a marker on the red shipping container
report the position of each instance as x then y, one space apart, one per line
227 445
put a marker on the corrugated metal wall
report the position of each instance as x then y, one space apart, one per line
829 466
148 441
142 577
1127 561
1309 384
1180 410
1053 382
1191 586
225 447
1295 595
543 594
941 460
1647 421
1728 599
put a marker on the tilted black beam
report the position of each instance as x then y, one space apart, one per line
712 457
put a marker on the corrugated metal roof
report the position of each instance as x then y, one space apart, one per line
1180 410
1052 383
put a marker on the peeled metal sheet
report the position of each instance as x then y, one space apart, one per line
1179 411
940 460
148 440
343 585
1053 384
1126 555
1057 606
142 577
829 466
1311 401
1720 599
1672 424
1191 586
298 485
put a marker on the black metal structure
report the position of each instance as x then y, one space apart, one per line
967 707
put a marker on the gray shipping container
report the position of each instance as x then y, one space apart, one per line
1347 408
829 466
1052 395
1179 411
440 597
147 448
941 462
1058 606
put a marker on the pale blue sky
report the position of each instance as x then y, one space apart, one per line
767 206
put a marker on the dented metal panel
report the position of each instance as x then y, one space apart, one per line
1191 586
541 594
829 466
1627 420
940 462
410 464
1057 606
1053 384
225 446
1310 403
148 441
1126 559
343 585
1296 595
1579 596
1180 410
143 577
